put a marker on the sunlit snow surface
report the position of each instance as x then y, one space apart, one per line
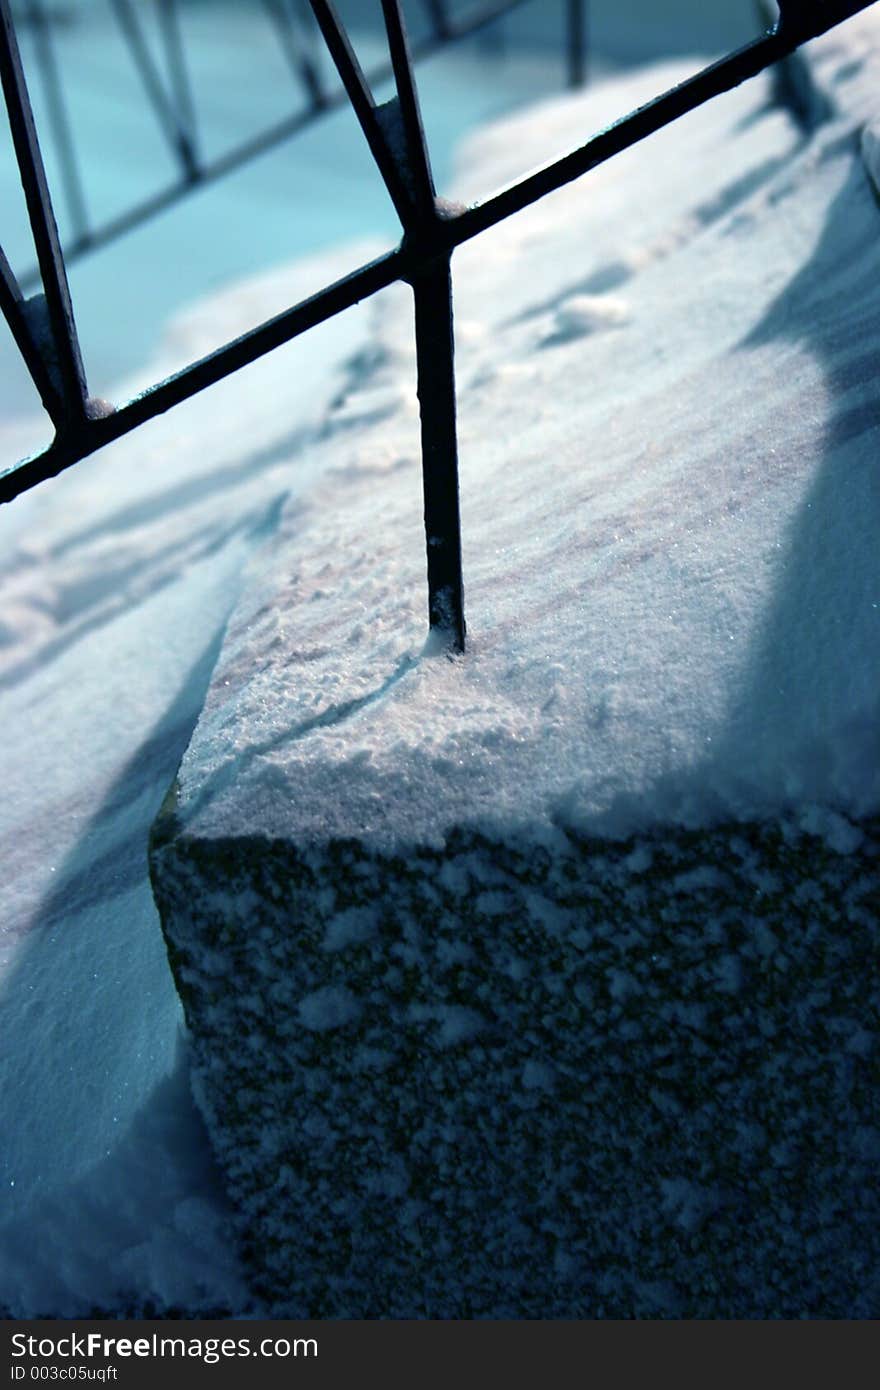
669 501
669 448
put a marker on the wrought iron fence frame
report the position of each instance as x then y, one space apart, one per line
174 105
432 231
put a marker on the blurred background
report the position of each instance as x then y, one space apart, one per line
241 63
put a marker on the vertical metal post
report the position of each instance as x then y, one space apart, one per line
577 19
435 356
405 166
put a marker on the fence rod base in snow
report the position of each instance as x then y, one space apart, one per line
435 352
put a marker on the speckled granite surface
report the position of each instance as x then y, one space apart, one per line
610 1080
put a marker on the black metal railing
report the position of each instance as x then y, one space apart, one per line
163 73
45 330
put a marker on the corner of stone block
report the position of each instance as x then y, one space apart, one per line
167 827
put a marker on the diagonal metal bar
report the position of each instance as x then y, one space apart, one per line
309 41
178 72
287 28
59 118
455 231
154 87
361 98
416 161
64 360
15 310
808 18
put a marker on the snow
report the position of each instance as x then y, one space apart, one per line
116 582
328 1008
662 629
871 153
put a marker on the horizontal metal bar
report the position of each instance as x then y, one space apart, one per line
92 434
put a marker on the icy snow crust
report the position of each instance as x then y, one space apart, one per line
543 982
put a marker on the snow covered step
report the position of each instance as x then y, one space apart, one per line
537 982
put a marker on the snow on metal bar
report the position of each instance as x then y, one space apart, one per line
416 160
19 315
361 97
291 38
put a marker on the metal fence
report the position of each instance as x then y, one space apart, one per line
45 331
163 72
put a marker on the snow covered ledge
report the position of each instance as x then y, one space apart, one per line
543 982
